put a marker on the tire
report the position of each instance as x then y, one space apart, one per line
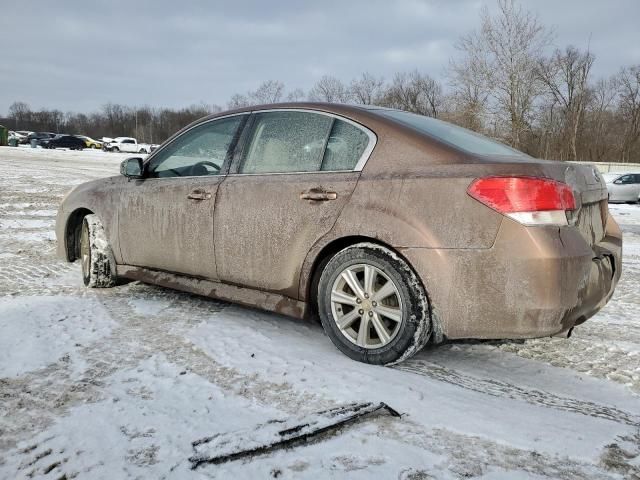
94 146
385 340
115 149
98 264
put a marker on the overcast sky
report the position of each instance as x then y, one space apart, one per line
75 55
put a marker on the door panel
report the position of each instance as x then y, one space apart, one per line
160 227
264 229
166 220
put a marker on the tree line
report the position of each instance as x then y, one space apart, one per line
507 81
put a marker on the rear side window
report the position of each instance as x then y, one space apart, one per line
345 146
286 142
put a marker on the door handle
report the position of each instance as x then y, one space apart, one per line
318 196
199 195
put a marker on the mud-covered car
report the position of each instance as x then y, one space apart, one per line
394 228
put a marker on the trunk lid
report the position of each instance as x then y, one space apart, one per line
590 190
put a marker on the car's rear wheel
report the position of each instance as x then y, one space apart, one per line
98 264
372 305
115 149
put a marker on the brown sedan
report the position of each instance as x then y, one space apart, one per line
394 228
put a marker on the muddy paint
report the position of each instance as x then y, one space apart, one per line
255 241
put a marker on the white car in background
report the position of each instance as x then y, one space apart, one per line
21 135
127 144
623 187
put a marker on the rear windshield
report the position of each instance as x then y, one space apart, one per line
457 136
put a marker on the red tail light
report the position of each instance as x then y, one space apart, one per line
528 200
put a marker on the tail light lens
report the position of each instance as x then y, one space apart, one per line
528 200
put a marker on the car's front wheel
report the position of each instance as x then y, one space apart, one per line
373 306
98 264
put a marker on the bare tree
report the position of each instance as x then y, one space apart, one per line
470 86
415 92
19 112
329 89
367 89
599 138
296 95
565 75
238 100
503 54
628 81
270 91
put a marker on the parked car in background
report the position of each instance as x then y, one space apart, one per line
623 187
90 142
127 144
21 137
392 227
63 141
39 137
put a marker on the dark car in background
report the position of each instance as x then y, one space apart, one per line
64 141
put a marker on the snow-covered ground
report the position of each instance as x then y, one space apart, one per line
118 383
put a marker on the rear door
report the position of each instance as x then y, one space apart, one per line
296 172
165 220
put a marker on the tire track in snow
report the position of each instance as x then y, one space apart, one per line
497 388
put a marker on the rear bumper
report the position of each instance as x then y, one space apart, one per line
533 282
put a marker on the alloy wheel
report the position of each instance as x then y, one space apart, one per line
366 306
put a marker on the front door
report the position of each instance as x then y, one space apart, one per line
295 175
626 188
166 219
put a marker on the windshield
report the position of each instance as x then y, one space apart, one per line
457 136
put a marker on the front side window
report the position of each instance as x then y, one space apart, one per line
286 142
625 179
198 152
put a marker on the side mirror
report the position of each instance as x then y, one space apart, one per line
132 167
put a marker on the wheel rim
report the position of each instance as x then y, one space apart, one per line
85 253
366 306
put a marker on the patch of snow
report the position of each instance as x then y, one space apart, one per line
37 331
25 223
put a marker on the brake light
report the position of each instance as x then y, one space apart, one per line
528 200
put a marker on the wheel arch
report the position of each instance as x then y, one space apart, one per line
72 232
318 261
